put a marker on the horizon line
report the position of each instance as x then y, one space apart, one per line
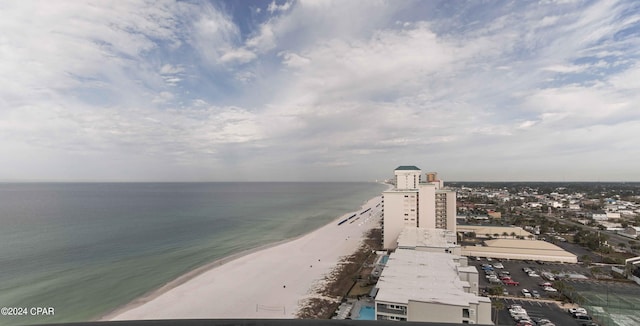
305 181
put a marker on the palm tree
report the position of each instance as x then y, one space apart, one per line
498 305
513 235
505 234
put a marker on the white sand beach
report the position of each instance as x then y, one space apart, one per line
269 283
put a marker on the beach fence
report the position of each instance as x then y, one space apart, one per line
262 307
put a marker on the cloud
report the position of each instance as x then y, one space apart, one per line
237 55
273 7
347 89
163 97
293 60
263 40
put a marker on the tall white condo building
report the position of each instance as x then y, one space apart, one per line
416 202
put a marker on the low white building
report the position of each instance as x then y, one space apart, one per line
432 240
599 216
429 286
611 226
520 250
613 215
631 232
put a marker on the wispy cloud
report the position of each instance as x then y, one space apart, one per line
347 89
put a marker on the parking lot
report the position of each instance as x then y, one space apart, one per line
536 310
611 303
515 268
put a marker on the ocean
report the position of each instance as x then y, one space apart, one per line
85 249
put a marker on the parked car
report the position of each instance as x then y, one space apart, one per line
588 323
519 314
549 289
545 284
581 317
510 282
526 293
543 322
548 276
498 265
577 310
535 294
505 292
533 274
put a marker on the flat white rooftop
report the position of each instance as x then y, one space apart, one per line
520 249
412 237
482 230
423 276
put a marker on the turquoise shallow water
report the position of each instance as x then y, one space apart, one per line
367 313
86 249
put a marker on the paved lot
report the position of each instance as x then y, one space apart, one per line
527 282
535 309
579 251
598 296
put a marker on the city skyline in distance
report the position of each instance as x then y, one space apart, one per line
319 91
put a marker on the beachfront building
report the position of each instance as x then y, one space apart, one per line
415 202
430 287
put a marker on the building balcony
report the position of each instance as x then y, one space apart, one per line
385 310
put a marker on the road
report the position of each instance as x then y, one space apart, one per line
614 239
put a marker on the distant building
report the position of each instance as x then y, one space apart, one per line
494 214
430 287
599 216
521 250
613 215
611 226
631 232
416 203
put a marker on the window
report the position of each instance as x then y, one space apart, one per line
465 313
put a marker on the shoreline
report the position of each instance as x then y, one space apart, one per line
210 268
186 277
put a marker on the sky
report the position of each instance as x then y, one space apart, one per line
319 90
